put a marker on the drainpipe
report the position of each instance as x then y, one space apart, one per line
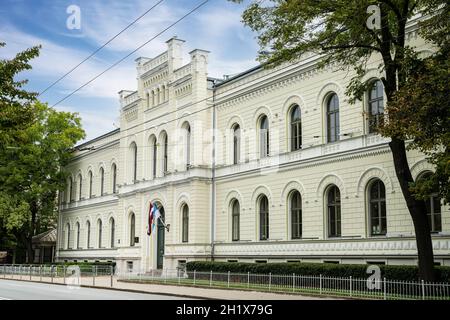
213 174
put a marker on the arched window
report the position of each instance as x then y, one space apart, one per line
132 230
185 223
263 218
296 215
134 151
264 141
163 93
114 178
187 127
236 144
333 118
334 211
376 106
70 189
296 128
102 181
90 184
433 205
80 187
377 208
68 236
165 151
100 229
153 98
235 223
88 234
154 157
112 230
147 96
78 235
158 96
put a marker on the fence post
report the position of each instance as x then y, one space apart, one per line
93 276
4 272
350 286
51 272
64 273
112 274
423 290
178 274
248 279
384 285
228 279
270 280
165 277
320 284
40 273
194 277
293 282
210 279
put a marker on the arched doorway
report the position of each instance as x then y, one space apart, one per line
160 240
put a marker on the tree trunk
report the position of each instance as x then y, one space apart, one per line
30 251
417 210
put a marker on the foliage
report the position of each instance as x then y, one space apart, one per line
392 272
34 149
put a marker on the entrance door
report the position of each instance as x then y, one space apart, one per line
160 245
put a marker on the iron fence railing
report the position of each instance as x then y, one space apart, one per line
288 283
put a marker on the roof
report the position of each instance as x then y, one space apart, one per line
47 237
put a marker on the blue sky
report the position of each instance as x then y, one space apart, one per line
216 27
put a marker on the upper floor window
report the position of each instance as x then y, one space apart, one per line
90 184
147 96
296 128
185 223
264 136
114 178
134 151
187 129
263 218
132 230
70 189
80 187
236 143
235 217
154 157
333 118
296 215
433 205
334 211
377 208
102 181
165 151
376 106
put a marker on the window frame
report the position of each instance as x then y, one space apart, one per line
378 202
295 128
235 220
185 223
332 115
263 218
298 211
264 136
379 99
337 211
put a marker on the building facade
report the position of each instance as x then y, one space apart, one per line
272 165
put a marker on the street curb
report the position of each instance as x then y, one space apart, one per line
120 289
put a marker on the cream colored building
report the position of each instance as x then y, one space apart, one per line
271 165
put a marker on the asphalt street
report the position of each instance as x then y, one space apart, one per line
21 290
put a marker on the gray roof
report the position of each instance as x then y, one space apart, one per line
45 237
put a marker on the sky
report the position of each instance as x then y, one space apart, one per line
215 27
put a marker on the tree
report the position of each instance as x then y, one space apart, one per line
350 32
34 151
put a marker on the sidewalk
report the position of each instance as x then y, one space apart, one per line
104 282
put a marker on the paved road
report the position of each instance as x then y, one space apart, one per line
20 290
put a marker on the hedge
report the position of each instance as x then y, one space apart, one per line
390 272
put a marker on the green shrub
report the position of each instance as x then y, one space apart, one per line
406 273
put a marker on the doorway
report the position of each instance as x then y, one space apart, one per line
160 242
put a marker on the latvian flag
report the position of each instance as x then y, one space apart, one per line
153 215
